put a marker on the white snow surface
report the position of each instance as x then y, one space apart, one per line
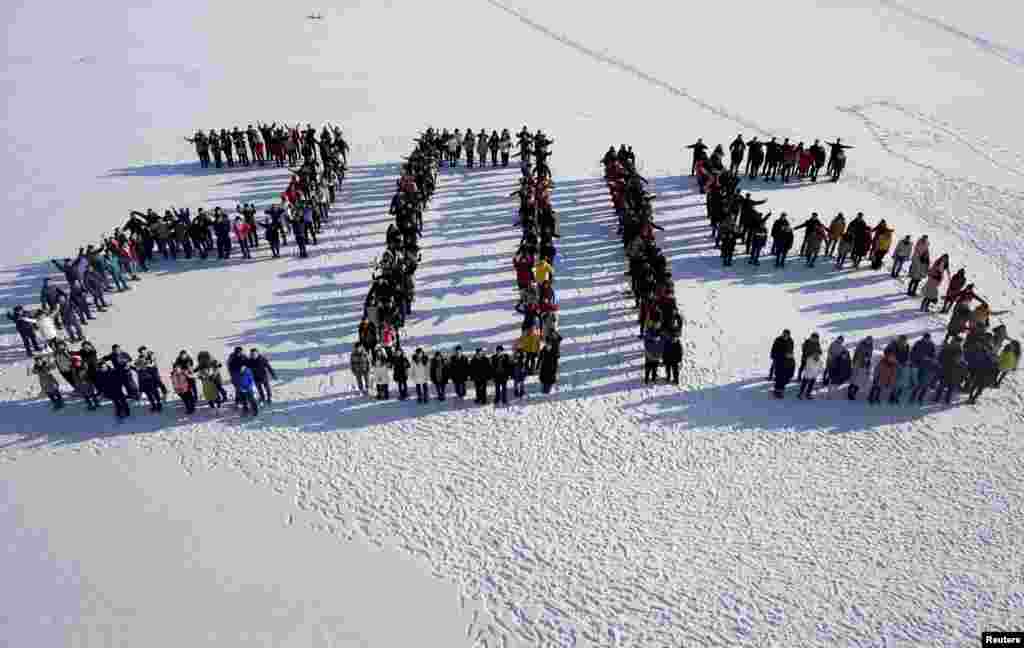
605 514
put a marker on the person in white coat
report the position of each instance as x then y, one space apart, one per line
505 146
419 373
382 375
47 327
812 369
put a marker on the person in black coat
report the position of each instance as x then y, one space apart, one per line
671 357
25 330
235 362
400 372
111 385
480 370
458 371
439 374
785 367
782 345
501 371
272 233
548 372
121 363
262 372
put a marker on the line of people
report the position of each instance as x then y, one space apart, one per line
449 146
904 373
768 160
268 142
119 378
393 286
651 282
538 349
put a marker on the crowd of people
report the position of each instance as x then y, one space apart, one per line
903 373
120 378
650 276
378 358
769 160
281 144
449 146
101 269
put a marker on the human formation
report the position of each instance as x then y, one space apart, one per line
281 144
650 276
378 360
904 373
770 161
98 270
449 147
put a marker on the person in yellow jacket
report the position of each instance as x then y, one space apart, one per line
529 343
835 232
881 244
1008 360
543 271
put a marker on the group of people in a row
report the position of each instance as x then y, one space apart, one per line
449 147
119 378
768 160
539 343
904 373
650 275
282 144
393 286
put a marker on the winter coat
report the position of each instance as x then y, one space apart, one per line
781 347
47 382
1008 360
931 287
905 376
80 376
922 349
903 250
548 373
542 271
918 267
242 230
458 368
654 347
181 380
519 372
210 379
381 372
840 368
359 362
246 384
813 368
400 366
45 324
529 342
956 284
785 367
236 362
885 371
673 353
480 368
810 345
883 239
420 370
834 350
837 228
439 370
260 367
501 367
951 362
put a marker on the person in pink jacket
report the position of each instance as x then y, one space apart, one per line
242 234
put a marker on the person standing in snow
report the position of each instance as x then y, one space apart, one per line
481 147
519 374
359 364
494 143
382 375
469 143
672 357
885 377
262 372
505 145
780 347
24 326
810 346
181 380
654 346
419 372
548 367
956 285
439 374
480 370
501 370
936 273
246 390
458 369
42 367
784 369
861 373
400 366
810 370
783 241
900 255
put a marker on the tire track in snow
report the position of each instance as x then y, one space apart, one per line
607 59
1009 54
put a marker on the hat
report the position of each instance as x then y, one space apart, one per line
500 348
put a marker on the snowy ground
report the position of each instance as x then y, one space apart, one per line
605 514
